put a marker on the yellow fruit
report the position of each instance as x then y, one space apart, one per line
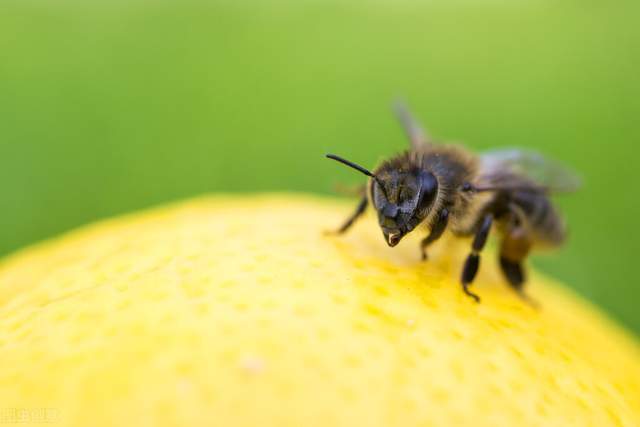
233 311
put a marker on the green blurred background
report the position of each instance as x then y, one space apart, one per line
108 107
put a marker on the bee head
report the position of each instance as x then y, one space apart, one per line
403 199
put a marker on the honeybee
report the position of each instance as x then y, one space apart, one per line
445 187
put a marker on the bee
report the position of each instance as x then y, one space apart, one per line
442 187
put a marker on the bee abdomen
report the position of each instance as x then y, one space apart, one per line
541 216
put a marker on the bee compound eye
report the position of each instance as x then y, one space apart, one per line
428 188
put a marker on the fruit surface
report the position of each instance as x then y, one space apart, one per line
239 311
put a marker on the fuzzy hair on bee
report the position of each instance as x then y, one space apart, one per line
445 187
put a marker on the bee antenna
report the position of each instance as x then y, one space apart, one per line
356 167
350 164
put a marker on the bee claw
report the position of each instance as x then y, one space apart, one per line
475 297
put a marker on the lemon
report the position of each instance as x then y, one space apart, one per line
239 311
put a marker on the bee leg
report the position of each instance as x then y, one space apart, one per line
362 206
436 231
515 275
473 260
513 250
513 272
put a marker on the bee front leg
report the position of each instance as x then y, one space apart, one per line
436 232
473 260
362 206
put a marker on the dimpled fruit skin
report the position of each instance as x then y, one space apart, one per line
238 311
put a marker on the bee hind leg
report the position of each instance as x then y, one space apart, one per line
472 263
515 247
360 209
515 275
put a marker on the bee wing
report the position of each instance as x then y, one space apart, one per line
502 168
418 137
